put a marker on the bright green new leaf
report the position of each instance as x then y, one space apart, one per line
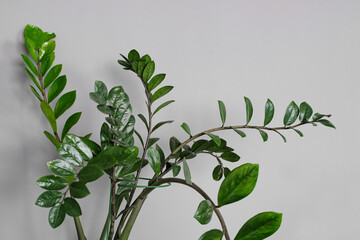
186 128
187 173
48 36
222 110
238 184
64 103
56 215
305 112
79 190
213 234
241 133
56 88
35 34
49 114
72 207
70 122
52 75
160 124
52 182
89 174
163 105
326 123
249 110
204 212
33 79
48 198
52 139
148 71
37 95
269 112
61 167
263 134
215 138
161 92
153 157
30 65
230 156
46 49
217 173
155 81
30 45
260 226
133 55
46 63
291 114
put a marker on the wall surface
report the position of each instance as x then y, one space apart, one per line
306 50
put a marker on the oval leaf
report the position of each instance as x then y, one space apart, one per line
46 49
326 123
269 112
64 103
148 71
222 111
56 215
186 128
305 112
70 122
161 92
56 88
213 234
48 198
204 212
52 182
155 81
72 207
153 157
61 167
89 174
52 75
133 55
46 63
291 114
230 156
79 190
217 173
49 114
215 138
30 65
249 109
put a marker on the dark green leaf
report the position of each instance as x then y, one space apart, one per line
148 71
30 65
89 174
64 103
46 63
140 138
49 114
51 138
282 136
305 112
56 215
105 136
160 151
133 55
187 173
160 124
79 190
162 106
35 34
291 114
249 110
46 49
101 89
37 95
56 88
152 141
70 122
200 145
269 112
52 182
174 143
175 169
215 138
318 116
143 119
155 81
204 212
52 75
48 198
222 110
260 226
140 67
81 147
161 92
226 171
263 134
241 133
153 157
94 147
187 153
70 154
217 173
97 98
213 234
72 207
106 109
326 123
238 184
186 128
230 156
298 132
146 58
61 167
33 79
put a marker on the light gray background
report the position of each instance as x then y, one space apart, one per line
285 50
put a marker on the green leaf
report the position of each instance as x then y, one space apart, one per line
140 138
186 128
222 110
56 215
215 138
51 138
155 81
260 226
174 143
249 110
298 132
30 45
115 155
46 49
204 212
227 171
48 198
326 123
61 167
89 174
52 75
175 169
70 154
263 134
163 105
30 65
162 155
33 79
291 114
79 190
152 141
72 207
160 124
52 182
148 71
217 173
153 157
200 145
143 119
101 89
80 146
46 63
37 95
56 88
133 55
97 98
213 234
187 173
48 36
318 116
241 133
105 136
70 122
230 156
161 92
93 146
49 114
35 34
305 112
238 184
282 136
269 112
64 103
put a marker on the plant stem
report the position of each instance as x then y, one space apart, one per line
41 82
79 229
113 203
130 223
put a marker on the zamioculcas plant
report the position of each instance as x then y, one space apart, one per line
83 160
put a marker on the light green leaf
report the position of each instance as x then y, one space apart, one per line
187 173
30 65
89 174
215 138
79 190
46 63
70 122
52 182
155 81
46 49
51 138
326 123
161 92
30 45
204 212
213 234
148 71
72 207
291 114
217 173
61 167
269 112
52 75
249 110
49 114
153 157
163 105
222 110
35 34
305 112
48 198
56 88
48 36
186 128
64 103
33 79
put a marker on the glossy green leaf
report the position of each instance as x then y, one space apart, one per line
175 169
249 110
269 112
94 147
241 133
213 234
230 156
70 154
52 182
49 114
56 215
46 63
51 138
48 36
215 138
160 124
72 207
113 155
64 103
227 171
48 198
222 111
161 92
30 65
105 136
133 55
318 116
70 122
89 174
97 98
200 145
37 95
204 212
291 114
61 167
326 123
79 190
33 79
263 135
46 49
148 71
123 170
298 132
282 136
217 173
82 148
186 128
238 184
187 173
155 81
260 226
163 105
305 112
52 75
35 34
101 89
30 45
56 88
153 157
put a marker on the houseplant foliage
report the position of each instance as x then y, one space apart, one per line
82 159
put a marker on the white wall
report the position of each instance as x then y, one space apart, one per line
210 50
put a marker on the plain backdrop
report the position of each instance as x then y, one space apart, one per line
306 50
